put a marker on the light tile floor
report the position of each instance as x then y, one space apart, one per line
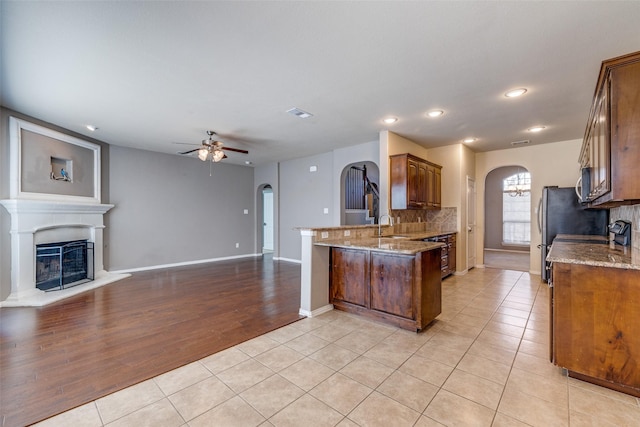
484 362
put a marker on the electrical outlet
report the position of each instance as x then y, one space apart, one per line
347 233
246 211
326 210
313 168
325 234
237 245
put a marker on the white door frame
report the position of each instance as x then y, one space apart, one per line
470 226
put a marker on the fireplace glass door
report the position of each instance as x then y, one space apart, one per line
65 264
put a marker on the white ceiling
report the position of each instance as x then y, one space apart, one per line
150 74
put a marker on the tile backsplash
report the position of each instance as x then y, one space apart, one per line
631 214
444 219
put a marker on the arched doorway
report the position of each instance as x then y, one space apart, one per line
507 231
265 219
360 198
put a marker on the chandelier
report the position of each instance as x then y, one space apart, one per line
518 185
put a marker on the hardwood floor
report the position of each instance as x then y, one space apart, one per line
72 352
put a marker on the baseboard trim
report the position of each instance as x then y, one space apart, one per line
181 264
316 312
297 261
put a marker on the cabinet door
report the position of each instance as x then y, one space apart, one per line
416 183
596 322
431 185
437 190
434 186
422 189
413 180
392 284
349 276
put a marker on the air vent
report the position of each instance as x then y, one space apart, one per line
299 113
519 143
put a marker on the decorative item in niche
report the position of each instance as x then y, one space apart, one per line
49 165
64 167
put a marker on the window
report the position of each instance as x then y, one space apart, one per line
516 209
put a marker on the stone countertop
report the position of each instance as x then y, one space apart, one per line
400 245
595 254
419 235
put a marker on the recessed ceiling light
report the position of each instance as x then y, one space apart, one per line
92 128
435 113
514 93
536 129
469 140
248 162
390 120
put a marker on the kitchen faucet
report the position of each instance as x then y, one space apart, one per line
380 223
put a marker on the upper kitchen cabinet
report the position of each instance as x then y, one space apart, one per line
415 183
611 147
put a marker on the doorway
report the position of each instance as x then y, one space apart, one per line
507 237
267 219
471 223
359 198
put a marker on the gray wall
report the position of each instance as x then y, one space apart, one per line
169 210
37 156
303 197
493 209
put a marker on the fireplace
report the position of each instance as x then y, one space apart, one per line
64 264
38 224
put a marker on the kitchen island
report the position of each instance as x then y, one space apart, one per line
394 280
595 297
401 240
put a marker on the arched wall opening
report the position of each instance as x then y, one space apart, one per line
507 218
359 193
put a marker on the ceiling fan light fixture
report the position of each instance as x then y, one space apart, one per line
217 155
203 153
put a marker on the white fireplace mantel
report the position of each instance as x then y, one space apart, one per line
46 221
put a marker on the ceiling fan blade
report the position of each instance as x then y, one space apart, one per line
237 150
190 151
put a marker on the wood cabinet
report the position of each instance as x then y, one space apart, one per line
611 146
403 290
349 275
595 324
415 183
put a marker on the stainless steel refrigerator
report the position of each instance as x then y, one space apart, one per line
560 212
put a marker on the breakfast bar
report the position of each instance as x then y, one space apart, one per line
393 278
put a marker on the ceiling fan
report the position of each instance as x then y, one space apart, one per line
214 148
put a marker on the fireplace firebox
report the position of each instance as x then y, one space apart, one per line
64 264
